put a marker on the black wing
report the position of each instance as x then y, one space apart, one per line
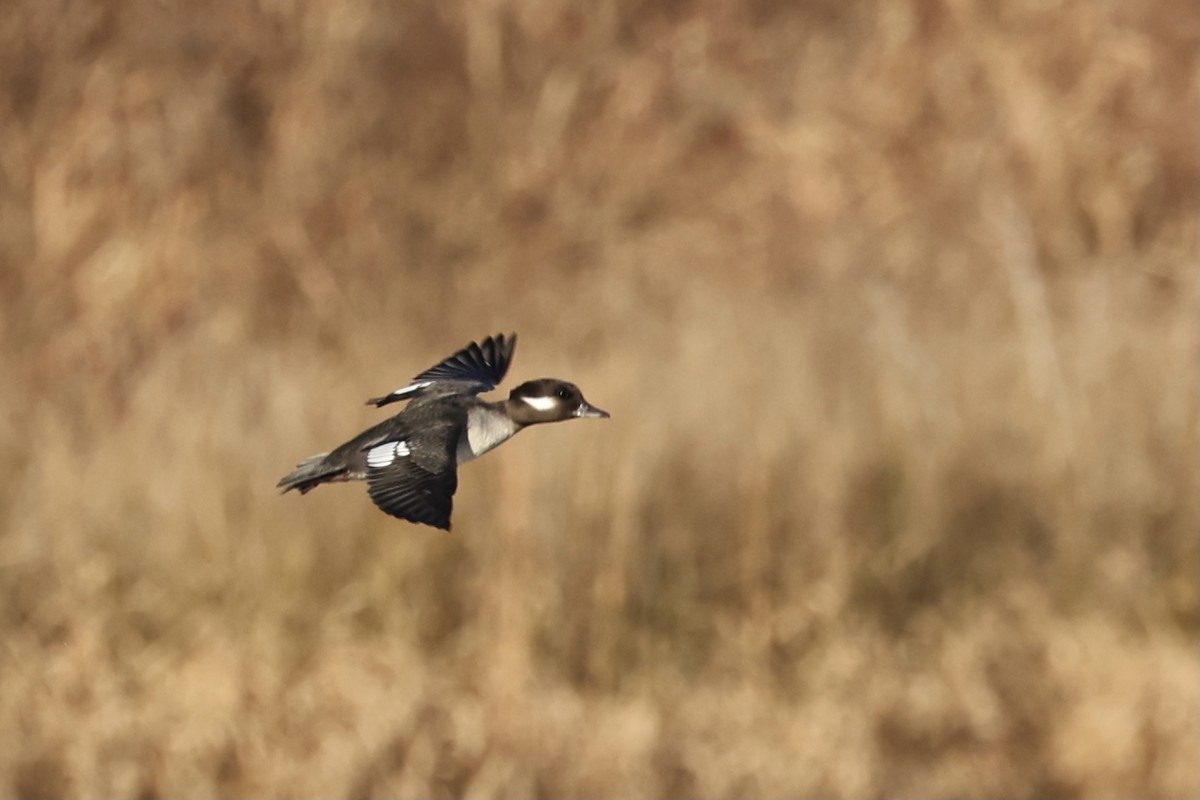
474 369
415 478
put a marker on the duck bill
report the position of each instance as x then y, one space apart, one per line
587 410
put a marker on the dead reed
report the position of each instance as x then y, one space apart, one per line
894 306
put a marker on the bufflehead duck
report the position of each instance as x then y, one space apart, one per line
410 462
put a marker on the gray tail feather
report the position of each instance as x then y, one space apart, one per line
309 473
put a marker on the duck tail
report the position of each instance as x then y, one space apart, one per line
310 473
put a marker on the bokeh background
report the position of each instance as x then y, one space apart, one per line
894 305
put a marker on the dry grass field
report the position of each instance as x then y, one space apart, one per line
894 305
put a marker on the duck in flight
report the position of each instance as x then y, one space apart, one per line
410 462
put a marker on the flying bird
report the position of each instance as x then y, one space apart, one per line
410 462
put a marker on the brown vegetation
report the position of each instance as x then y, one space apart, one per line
893 304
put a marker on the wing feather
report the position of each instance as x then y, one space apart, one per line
418 484
478 367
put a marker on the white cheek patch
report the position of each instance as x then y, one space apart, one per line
541 403
384 454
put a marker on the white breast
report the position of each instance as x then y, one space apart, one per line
485 431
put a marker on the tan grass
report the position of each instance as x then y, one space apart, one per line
894 306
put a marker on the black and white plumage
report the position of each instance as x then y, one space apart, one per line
410 462
474 369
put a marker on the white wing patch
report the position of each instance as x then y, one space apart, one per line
412 387
541 403
383 454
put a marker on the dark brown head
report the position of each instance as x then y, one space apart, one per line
549 400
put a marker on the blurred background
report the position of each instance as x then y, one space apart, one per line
894 305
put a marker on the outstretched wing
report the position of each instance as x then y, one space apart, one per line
474 369
414 476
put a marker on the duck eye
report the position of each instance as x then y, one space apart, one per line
563 393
